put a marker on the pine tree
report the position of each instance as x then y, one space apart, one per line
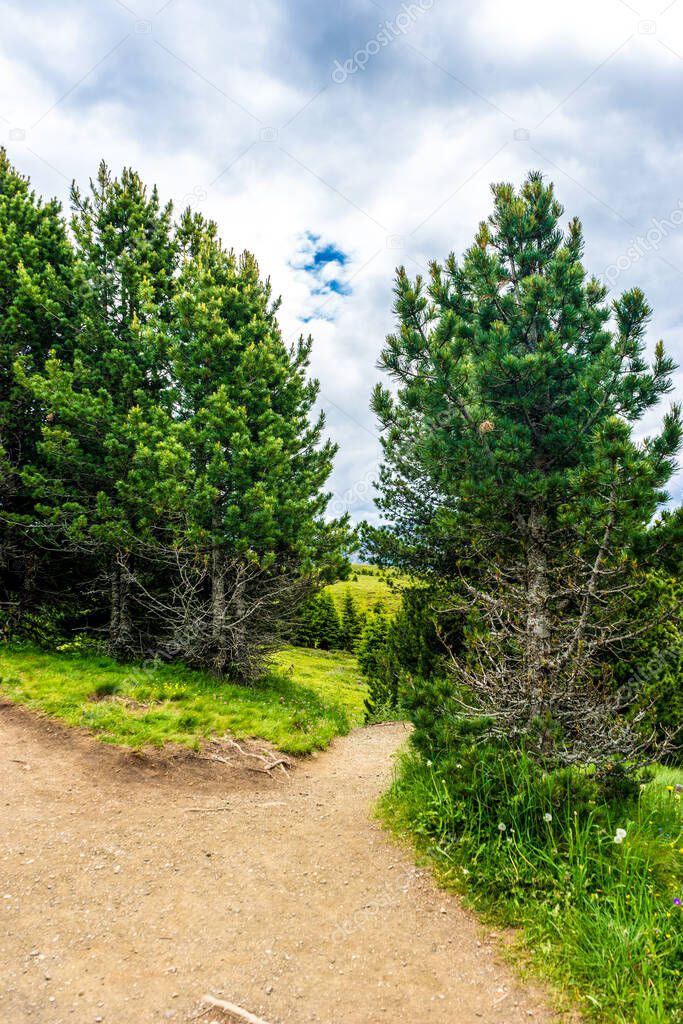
35 301
254 506
124 268
319 625
174 456
373 662
511 471
329 626
351 623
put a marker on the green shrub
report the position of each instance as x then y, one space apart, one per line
42 627
81 643
652 664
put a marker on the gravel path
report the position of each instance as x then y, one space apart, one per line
130 885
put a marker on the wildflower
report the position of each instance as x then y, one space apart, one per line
670 788
547 817
501 826
429 764
677 902
620 835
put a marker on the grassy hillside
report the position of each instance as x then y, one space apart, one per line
369 585
308 699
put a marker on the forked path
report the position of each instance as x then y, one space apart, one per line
130 886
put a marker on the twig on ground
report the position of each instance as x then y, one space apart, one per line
259 757
282 762
236 1011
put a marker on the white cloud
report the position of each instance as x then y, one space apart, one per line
391 166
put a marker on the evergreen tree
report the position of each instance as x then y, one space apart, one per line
401 655
166 441
351 623
35 308
372 655
124 266
511 471
254 505
319 625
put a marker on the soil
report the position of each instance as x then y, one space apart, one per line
131 884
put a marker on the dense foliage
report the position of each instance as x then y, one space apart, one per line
518 498
162 474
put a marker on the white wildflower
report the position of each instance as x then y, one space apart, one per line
501 826
547 817
620 835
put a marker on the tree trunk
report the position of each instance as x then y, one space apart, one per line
120 622
239 600
537 615
218 610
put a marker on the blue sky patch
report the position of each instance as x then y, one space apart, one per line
326 265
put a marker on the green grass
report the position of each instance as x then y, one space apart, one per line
332 675
369 586
597 917
309 698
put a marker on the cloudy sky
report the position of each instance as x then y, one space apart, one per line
337 138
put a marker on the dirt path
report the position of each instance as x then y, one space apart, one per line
122 903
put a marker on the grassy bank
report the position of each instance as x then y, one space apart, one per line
601 918
368 586
309 698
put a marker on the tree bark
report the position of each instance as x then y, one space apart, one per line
120 620
240 630
537 614
218 609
